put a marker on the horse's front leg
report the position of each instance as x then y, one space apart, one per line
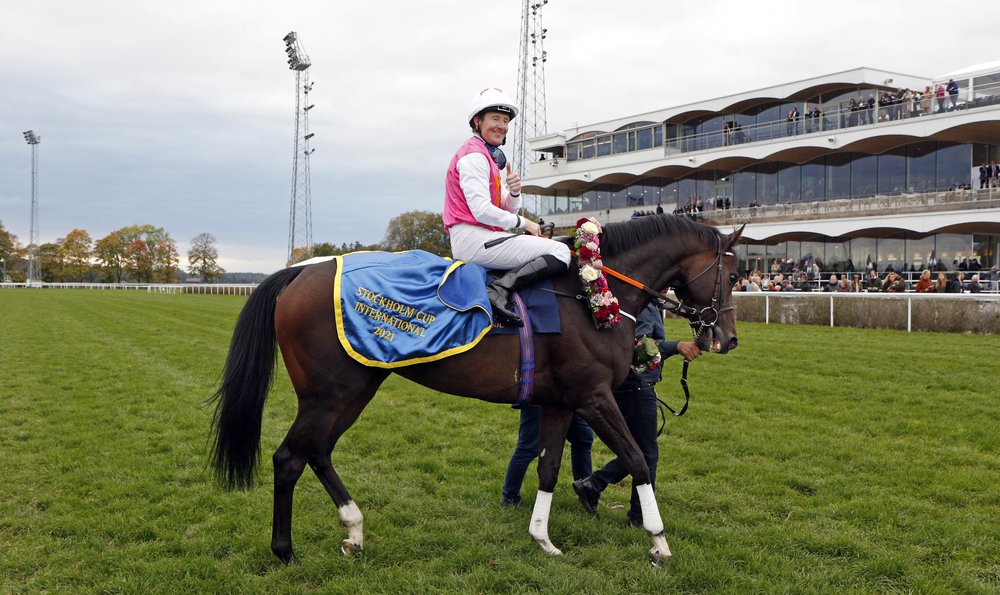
552 436
607 422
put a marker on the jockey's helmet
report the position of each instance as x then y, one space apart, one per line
491 99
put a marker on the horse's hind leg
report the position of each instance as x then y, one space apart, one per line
310 440
322 466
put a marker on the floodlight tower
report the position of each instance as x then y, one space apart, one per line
530 122
300 210
34 273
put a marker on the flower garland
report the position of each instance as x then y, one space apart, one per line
646 356
603 305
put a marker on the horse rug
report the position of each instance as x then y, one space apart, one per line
402 308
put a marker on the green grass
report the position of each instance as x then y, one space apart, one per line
812 460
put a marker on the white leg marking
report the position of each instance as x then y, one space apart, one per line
539 527
651 521
351 517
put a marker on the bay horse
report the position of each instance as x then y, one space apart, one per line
575 370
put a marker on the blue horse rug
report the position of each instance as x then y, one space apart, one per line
402 308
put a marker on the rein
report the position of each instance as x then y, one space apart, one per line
697 319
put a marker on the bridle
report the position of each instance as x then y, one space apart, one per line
699 319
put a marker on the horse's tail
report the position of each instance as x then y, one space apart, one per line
239 402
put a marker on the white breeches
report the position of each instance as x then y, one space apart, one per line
467 243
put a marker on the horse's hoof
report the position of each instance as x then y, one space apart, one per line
348 547
548 548
656 557
287 557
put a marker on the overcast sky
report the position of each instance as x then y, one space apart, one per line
181 114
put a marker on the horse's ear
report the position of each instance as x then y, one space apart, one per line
734 237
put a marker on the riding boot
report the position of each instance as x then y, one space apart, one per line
499 290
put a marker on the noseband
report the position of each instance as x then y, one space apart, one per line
707 317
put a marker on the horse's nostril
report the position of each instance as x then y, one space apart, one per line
733 343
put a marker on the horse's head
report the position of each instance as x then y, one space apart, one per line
705 291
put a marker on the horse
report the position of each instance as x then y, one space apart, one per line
575 370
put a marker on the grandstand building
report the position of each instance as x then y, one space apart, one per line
844 170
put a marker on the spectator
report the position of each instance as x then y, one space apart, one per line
857 284
873 283
953 93
636 398
985 173
955 283
843 286
832 285
941 284
925 101
924 283
939 95
580 437
973 285
894 282
792 120
754 284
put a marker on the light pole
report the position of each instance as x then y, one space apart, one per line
300 209
33 268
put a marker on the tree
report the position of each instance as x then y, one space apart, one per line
139 261
202 258
165 260
75 250
50 262
110 254
8 252
417 230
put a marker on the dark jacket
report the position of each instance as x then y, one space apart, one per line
650 323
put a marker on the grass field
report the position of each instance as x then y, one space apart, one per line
812 460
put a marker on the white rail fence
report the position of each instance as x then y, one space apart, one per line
193 288
945 312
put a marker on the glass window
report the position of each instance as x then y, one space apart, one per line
744 187
864 175
767 183
838 175
836 255
756 258
921 169
814 181
619 141
573 151
892 172
587 149
588 200
686 191
813 252
891 254
920 253
951 249
863 252
603 146
668 196
954 166
776 255
985 250
657 136
789 184
622 197
644 138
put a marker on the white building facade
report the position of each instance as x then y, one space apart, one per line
856 167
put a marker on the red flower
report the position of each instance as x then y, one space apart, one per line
582 221
585 252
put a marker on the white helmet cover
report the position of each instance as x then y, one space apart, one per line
494 98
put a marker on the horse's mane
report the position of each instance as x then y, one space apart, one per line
619 237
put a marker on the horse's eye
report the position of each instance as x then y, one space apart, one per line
733 278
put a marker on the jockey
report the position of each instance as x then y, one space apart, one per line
477 209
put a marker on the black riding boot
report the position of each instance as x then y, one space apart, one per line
499 290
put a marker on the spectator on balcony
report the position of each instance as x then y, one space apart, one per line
924 283
832 285
985 174
996 175
955 283
894 282
873 283
925 101
792 120
953 93
941 284
973 285
939 94
857 284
